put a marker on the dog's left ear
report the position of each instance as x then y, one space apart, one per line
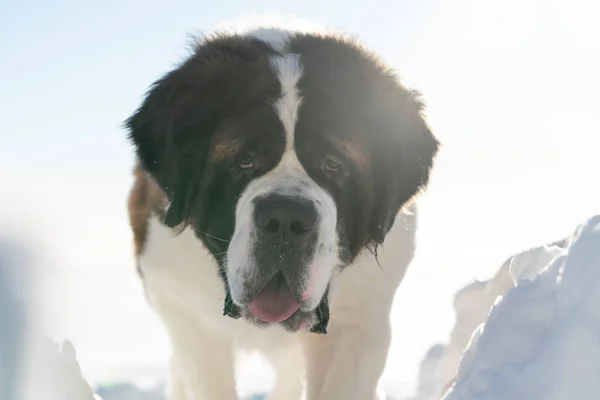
404 149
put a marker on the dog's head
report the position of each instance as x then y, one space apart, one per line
287 158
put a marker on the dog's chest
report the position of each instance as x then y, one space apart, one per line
180 275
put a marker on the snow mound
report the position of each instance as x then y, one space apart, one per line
540 340
427 386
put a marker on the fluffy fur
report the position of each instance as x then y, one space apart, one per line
286 159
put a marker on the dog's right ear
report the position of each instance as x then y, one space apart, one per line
160 144
172 130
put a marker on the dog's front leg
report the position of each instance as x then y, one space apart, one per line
347 362
203 364
288 363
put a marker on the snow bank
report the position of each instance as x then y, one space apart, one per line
473 302
471 307
32 367
541 340
428 380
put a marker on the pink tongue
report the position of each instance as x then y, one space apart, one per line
275 303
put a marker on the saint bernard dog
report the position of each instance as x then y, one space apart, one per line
272 210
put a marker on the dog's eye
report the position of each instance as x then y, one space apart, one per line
246 162
332 164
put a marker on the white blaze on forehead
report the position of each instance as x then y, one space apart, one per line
275 37
289 72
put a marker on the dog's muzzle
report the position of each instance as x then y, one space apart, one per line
286 234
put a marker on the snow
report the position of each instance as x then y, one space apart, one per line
472 305
540 341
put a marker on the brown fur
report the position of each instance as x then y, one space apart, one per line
145 198
224 149
354 151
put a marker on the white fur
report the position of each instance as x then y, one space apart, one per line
289 72
277 38
184 288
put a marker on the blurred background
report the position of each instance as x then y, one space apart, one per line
512 92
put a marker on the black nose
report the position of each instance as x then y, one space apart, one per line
287 217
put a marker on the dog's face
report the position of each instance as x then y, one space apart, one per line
287 161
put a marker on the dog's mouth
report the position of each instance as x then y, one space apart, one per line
275 303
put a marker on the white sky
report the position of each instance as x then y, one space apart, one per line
512 88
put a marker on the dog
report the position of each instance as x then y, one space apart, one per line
272 209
